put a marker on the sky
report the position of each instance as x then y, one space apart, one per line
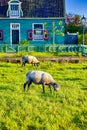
76 7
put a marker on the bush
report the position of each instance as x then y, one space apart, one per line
24 42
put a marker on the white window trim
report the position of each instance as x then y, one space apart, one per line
33 31
14 29
10 10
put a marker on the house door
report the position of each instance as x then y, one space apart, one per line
15 33
15 36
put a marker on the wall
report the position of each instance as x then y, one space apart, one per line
26 24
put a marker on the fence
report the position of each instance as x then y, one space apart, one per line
44 48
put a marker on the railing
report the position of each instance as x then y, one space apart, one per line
84 49
6 48
44 48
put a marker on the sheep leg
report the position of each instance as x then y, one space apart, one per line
25 85
50 88
24 64
43 88
29 84
34 64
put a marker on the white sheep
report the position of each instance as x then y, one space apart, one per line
31 60
40 77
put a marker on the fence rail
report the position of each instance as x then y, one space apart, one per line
44 48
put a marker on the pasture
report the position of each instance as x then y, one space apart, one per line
33 110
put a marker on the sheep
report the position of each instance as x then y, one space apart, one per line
31 60
40 77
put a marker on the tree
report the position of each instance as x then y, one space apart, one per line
73 18
77 19
74 25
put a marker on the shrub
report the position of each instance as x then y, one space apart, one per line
24 42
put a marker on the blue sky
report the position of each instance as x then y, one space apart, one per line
76 7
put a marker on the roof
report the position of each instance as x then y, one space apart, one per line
39 8
14 1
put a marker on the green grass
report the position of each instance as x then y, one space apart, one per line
45 54
33 110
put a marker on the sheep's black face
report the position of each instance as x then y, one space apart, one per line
56 86
38 64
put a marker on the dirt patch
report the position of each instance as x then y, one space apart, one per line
70 59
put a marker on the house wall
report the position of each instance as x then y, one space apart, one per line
26 24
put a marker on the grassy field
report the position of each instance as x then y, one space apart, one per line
33 110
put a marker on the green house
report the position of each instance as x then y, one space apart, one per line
39 22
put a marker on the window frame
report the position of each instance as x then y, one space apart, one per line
41 39
18 11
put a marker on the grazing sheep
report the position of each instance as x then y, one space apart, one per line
31 60
40 77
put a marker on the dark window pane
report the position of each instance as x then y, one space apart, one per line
38 26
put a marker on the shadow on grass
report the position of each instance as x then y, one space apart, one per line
4 88
5 65
83 68
72 79
84 88
32 127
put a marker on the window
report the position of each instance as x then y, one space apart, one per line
38 30
15 26
1 34
14 10
14 7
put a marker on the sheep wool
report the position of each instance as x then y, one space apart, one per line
30 59
40 77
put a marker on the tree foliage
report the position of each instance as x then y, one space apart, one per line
74 24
